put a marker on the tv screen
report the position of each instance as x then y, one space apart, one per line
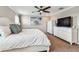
64 22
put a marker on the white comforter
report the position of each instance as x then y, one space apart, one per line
28 37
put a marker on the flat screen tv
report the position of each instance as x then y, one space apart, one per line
64 22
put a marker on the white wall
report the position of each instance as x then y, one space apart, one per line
26 23
6 12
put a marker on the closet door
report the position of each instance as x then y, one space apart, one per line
75 30
50 27
78 29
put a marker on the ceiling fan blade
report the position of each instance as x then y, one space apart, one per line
47 11
46 8
41 6
37 7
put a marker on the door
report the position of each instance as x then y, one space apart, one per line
74 31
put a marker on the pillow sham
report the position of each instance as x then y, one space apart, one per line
15 28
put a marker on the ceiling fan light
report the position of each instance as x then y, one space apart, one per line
41 11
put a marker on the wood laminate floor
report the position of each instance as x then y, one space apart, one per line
58 45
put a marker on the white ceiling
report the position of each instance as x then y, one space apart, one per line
27 10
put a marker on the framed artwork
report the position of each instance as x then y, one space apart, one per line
35 20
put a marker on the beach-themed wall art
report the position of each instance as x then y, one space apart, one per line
35 20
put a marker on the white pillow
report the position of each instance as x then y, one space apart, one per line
5 31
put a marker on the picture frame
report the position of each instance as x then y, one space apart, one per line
35 20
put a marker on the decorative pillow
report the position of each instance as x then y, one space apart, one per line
15 28
4 31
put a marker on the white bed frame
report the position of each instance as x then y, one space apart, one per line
30 49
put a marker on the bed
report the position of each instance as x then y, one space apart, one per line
29 40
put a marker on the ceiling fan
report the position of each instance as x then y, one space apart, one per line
42 9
